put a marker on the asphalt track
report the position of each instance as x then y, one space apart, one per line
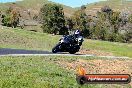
22 52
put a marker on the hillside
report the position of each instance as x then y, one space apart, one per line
33 6
116 5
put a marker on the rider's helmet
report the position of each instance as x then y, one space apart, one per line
77 33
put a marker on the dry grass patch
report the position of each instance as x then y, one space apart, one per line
100 66
95 52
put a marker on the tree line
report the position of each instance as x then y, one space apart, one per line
108 25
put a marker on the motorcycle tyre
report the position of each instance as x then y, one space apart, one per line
56 49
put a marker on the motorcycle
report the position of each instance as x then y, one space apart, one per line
68 44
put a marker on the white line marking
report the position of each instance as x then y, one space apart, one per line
86 55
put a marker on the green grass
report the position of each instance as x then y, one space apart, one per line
26 40
120 49
22 39
40 72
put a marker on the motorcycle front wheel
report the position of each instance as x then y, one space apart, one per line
56 49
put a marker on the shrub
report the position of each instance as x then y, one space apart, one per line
80 20
11 18
52 16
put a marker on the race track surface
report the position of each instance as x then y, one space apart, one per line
22 52
5 51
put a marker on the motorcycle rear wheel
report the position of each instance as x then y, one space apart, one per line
72 52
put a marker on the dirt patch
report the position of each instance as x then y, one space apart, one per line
100 66
111 66
95 52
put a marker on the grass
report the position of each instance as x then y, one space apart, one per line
26 40
120 49
40 72
34 72
22 39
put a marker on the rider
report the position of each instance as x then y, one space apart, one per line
76 36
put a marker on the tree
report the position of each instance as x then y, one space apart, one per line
80 20
52 16
130 18
14 18
107 25
69 23
6 20
106 9
114 20
11 18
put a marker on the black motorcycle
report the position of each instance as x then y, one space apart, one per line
68 44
